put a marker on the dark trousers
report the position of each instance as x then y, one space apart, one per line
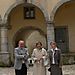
55 70
22 71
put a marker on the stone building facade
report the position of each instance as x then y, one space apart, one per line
36 20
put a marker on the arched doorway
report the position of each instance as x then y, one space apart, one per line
31 36
26 28
65 26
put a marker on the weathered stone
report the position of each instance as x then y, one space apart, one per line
50 32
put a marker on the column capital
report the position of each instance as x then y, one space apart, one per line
0 20
4 25
50 22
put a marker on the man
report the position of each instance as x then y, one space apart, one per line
55 59
21 59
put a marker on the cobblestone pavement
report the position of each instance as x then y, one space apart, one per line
67 70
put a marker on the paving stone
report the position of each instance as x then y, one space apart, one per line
67 70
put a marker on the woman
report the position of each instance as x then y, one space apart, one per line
55 59
38 55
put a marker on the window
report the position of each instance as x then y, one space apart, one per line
29 12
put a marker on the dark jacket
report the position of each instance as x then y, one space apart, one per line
57 56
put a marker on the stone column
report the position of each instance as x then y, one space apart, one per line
4 43
50 33
4 54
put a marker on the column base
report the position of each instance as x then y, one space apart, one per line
4 59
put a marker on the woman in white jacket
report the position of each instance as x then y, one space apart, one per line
39 55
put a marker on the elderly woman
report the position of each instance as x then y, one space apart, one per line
55 59
38 55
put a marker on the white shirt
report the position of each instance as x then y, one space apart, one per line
53 52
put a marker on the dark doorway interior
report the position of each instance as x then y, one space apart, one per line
61 38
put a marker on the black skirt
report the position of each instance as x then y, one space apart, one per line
55 70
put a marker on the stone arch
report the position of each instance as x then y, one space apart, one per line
56 8
28 28
28 31
44 11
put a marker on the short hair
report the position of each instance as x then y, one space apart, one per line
53 42
20 41
39 43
